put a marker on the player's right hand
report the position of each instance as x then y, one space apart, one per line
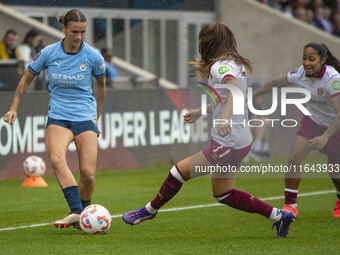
10 117
223 129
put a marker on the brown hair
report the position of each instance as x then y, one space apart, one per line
30 34
74 15
217 43
10 31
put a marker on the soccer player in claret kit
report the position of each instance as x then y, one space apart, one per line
222 64
319 74
73 110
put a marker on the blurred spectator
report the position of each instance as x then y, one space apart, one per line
310 17
111 72
29 47
321 21
300 12
303 3
335 5
314 4
40 45
317 13
335 19
8 45
296 6
9 72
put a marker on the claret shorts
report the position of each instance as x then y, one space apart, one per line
217 154
309 129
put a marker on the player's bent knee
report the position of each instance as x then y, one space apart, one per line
88 178
294 159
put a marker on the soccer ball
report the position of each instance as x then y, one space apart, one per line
95 219
34 166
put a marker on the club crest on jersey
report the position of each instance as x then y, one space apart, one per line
321 91
83 67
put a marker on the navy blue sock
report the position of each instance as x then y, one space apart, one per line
85 203
73 199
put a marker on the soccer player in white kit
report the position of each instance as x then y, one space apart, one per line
222 64
319 74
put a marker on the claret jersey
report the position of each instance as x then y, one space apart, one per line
70 80
325 86
240 135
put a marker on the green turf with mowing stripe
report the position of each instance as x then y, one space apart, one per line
210 230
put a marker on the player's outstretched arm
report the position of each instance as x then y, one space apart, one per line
24 82
267 87
193 115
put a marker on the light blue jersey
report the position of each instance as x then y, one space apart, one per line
70 80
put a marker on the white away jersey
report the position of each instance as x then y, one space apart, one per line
325 86
240 135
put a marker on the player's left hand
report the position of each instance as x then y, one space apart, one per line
317 143
223 129
192 115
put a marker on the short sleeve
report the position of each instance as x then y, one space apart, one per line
39 62
294 75
223 70
333 86
99 69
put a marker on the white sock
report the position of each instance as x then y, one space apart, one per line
256 146
151 209
176 174
275 215
293 205
292 190
265 147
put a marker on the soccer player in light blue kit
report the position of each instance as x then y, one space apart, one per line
73 110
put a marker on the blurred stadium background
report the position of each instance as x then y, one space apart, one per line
153 41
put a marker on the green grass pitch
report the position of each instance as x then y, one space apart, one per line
206 230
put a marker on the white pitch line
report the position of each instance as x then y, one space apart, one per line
184 208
